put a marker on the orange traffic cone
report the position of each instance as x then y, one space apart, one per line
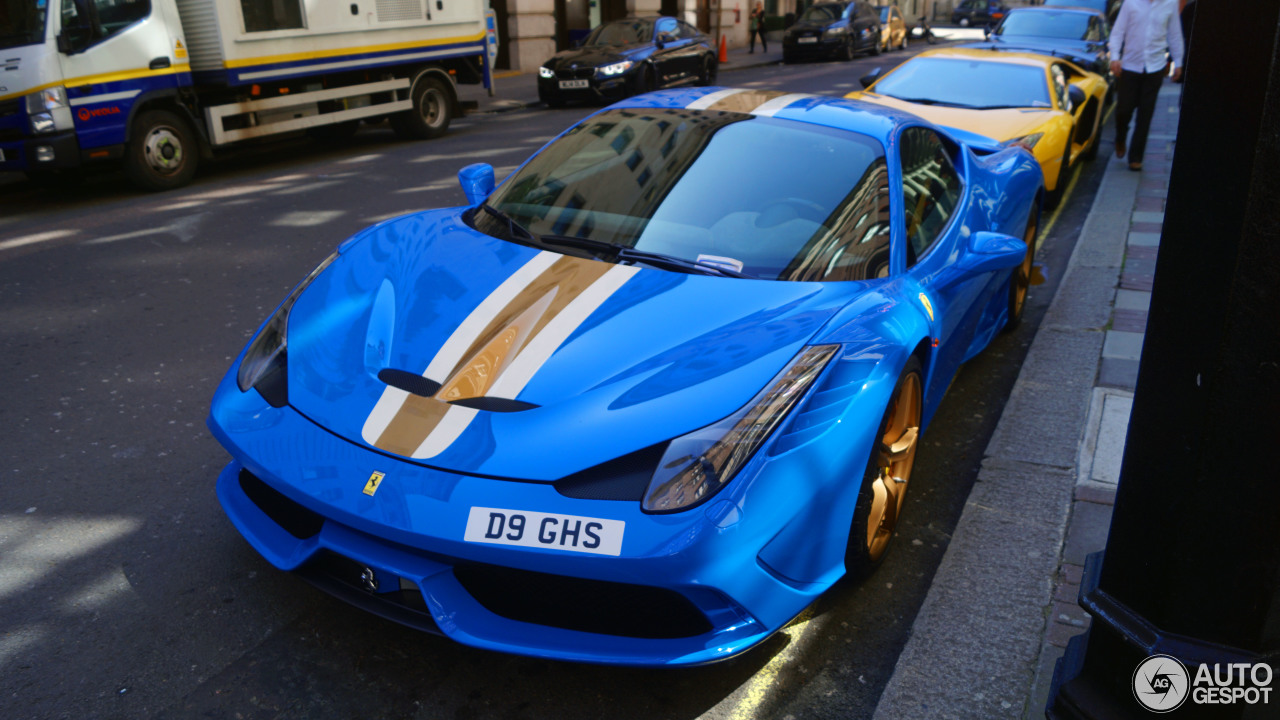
724 50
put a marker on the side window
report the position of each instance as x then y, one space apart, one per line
267 15
857 245
90 21
931 188
1059 79
687 31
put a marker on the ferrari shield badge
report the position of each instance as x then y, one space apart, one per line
375 480
924 300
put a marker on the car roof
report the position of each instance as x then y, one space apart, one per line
1058 10
834 112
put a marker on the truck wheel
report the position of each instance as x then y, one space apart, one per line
162 153
431 112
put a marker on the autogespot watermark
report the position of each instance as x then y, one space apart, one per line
1162 684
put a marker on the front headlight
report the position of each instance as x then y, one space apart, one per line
835 32
546 72
48 109
697 465
616 68
265 358
1026 141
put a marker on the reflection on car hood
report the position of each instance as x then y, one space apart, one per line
592 56
1079 51
559 363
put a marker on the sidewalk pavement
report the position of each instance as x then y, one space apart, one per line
1002 605
519 90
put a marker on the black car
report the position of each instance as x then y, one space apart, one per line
978 12
1109 8
833 29
625 57
1076 34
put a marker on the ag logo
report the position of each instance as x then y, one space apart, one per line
1161 683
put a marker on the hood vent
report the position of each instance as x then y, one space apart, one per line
415 384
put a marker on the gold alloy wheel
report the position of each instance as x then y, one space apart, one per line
894 456
1022 276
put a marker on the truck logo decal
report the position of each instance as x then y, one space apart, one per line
85 114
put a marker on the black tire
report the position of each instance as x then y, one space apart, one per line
645 81
1020 281
875 45
710 69
963 22
860 559
787 59
1091 152
847 52
906 36
551 101
431 113
161 153
336 133
1054 198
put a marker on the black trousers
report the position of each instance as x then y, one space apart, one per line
1136 91
764 45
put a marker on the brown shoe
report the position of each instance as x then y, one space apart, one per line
1120 148
1136 167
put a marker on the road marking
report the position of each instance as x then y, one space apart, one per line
36 238
756 690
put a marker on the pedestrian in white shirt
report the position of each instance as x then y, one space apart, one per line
1144 31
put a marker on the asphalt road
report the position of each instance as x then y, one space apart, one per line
124 591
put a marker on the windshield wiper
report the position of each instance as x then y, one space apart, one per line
514 229
622 253
930 101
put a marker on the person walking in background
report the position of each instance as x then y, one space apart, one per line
1145 30
755 26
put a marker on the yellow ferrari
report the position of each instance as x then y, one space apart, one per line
1046 104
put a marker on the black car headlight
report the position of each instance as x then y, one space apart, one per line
546 72
616 68
695 466
264 365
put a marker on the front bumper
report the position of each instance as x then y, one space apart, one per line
598 89
702 567
23 154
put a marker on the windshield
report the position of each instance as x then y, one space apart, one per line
699 186
822 13
620 32
1099 5
21 22
884 14
1063 25
967 83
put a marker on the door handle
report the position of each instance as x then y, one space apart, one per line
159 63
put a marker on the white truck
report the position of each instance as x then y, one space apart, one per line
159 84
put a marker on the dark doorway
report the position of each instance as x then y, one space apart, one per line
612 10
669 8
704 16
503 61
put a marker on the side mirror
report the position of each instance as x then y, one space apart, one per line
1075 95
477 182
870 78
990 252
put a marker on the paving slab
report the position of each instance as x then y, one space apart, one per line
1114 373
1144 239
1123 345
1112 431
1148 217
1087 532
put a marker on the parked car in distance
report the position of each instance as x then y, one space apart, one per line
833 30
977 12
643 403
893 29
626 57
1077 34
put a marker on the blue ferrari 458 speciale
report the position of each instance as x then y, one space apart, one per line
647 399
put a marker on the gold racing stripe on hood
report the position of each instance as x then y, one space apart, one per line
419 428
